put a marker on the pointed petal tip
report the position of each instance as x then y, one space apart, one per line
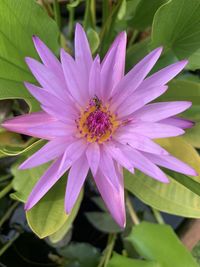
68 208
22 167
165 180
123 35
122 224
192 172
157 51
79 27
35 38
184 62
27 206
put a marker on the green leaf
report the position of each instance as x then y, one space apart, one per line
159 243
103 222
183 90
119 261
194 61
24 181
81 254
15 90
48 215
20 148
144 13
135 53
59 235
192 135
172 198
176 26
94 40
122 10
19 21
182 150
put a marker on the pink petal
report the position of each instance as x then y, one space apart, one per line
48 152
159 111
155 130
45 97
65 112
163 76
47 57
144 164
95 79
22 124
83 54
76 178
171 163
73 79
66 115
47 78
115 152
113 65
107 167
51 130
178 122
138 99
140 142
113 198
49 178
134 78
75 150
93 157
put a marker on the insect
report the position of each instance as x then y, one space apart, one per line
96 102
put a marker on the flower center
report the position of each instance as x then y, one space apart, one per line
96 123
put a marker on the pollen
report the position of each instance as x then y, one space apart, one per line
96 123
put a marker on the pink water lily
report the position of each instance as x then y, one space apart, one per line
95 117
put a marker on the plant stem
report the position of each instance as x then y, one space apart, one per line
90 15
131 210
5 190
56 9
8 213
8 244
108 250
158 216
71 21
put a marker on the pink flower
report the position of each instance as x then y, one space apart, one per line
96 118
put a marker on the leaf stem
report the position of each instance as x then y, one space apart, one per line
71 21
5 190
8 213
8 244
158 216
131 210
108 250
56 9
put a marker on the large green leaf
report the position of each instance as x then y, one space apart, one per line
181 149
48 215
183 90
57 236
159 243
144 13
119 261
80 255
193 135
176 26
103 222
19 21
24 181
172 198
